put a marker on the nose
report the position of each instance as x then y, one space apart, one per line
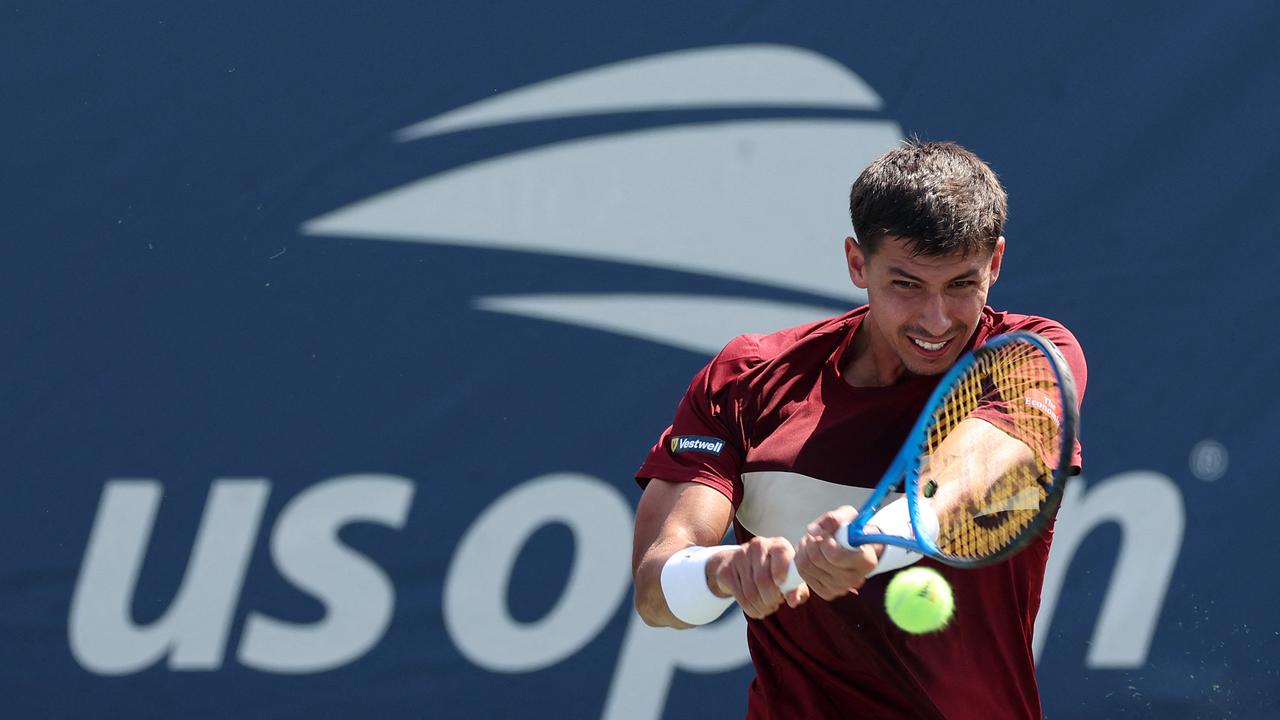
934 319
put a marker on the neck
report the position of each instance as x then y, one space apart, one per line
869 363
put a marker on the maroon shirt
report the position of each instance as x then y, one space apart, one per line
771 423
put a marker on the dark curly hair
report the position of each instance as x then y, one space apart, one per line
939 197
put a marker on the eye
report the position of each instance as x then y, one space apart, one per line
905 284
963 284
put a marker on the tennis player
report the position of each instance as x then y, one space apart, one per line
784 435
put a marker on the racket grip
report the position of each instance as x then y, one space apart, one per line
842 537
793 580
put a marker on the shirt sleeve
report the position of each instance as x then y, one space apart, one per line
1069 346
706 442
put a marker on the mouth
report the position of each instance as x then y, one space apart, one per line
931 349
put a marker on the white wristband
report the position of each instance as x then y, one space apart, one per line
895 519
684 584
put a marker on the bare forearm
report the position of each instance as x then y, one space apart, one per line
651 604
670 518
974 455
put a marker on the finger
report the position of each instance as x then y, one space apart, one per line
798 596
748 595
829 586
844 514
828 523
719 580
877 549
836 554
818 573
836 570
780 557
767 590
757 575
774 564
727 579
852 568
771 573
866 562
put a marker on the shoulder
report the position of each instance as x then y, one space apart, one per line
1001 322
748 362
747 351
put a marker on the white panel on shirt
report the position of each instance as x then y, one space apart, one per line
782 504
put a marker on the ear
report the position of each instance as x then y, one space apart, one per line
997 257
857 262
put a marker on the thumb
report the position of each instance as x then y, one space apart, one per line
845 514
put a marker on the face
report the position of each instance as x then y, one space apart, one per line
923 309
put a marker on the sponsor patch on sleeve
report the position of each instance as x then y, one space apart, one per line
696 443
1045 403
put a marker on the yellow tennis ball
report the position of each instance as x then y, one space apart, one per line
919 600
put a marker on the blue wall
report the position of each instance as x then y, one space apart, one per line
308 406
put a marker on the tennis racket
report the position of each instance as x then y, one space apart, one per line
990 456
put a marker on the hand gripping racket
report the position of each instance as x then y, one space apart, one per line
989 456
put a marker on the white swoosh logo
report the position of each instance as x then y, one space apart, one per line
727 76
762 201
757 200
698 323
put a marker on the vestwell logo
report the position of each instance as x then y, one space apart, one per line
696 443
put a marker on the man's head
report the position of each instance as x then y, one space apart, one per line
928 219
938 195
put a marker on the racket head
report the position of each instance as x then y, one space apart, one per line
1020 385
985 383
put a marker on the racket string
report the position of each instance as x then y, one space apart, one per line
1013 389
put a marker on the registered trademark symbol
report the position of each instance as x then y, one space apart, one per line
1209 460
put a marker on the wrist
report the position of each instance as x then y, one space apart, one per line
689 590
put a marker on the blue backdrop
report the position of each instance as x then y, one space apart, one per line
337 330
